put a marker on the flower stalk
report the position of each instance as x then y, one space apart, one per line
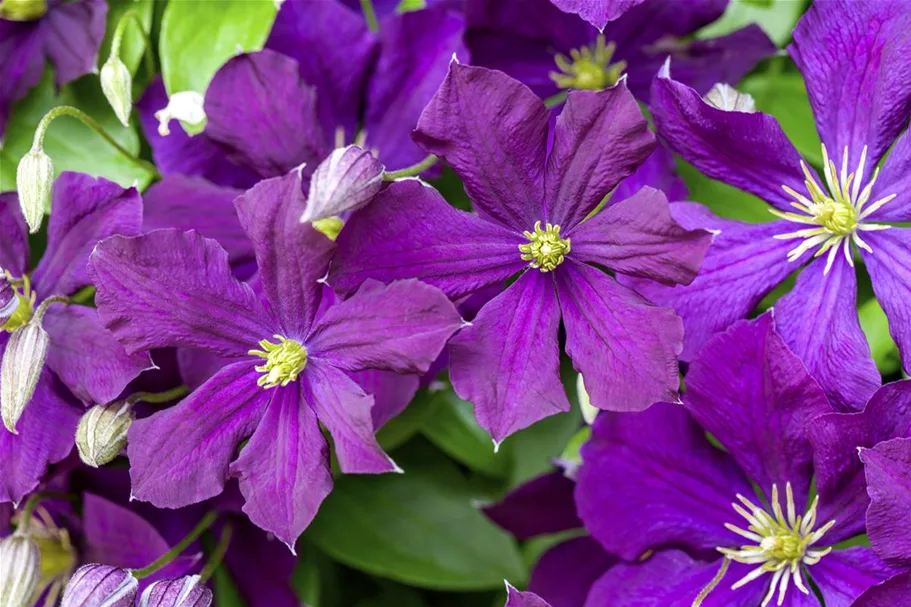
412 171
178 549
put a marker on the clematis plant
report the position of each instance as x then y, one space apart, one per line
533 221
283 372
737 526
821 221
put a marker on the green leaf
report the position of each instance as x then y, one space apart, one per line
72 145
452 428
398 430
199 36
875 325
421 528
572 453
226 592
133 44
776 17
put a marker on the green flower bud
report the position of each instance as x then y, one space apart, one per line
117 85
22 10
20 369
35 182
20 571
102 432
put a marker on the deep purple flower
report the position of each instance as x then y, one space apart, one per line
548 50
284 374
822 221
653 481
515 598
597 12
83 355
533 205
68 34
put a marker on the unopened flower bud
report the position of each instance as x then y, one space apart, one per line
117 85
20 369
22 10
102 432
8 300
35 182
100 586
726 97
186 106
20 570
345 181
187 591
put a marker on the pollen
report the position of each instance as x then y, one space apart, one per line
837 213
25 308
588 68
285 359
545 249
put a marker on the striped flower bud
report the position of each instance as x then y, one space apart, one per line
102 432
20 570
100 586
8 300
35 182
20 369
187 591
345 181
117 86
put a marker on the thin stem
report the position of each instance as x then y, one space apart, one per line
555 100
713 584
42 309
370 15
176 551
118 35
33 501
219 553
156 398
67 110
413 170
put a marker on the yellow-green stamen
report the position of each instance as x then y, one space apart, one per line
284 361
23 10
329 226
26 308
545 249
588 68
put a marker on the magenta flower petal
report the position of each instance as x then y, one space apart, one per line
162 307
493 131
895 178
73 32
597 12
625 347
344 408
843 575
658 171
818 320
639 237
564 574
261 567
392 392
410 231
86 210
508 361
86 357
14 253
514 598
541 506
180 456
291 257
755 396
21 64
887 594
284 469
888 474
652 479
276 129
891 282
599 140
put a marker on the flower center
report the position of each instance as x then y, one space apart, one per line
588 68
545 249
19 310
837 212
284 361
781 543
23 10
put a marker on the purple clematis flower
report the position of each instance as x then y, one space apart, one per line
597 12
514 598
83 358
550 51
533 206
68 34
285 373
894 591
653 480
887 468
822 221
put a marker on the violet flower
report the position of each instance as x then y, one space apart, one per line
822 221
82 355
533 205
890 593
286 373
599 12
514 598
551 51
653 481
68 34
887 467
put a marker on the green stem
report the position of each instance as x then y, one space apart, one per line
413 170
370 15
67 110
555 100
713 584
33 501
118 36
157 398
176 551
42 309
219 553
